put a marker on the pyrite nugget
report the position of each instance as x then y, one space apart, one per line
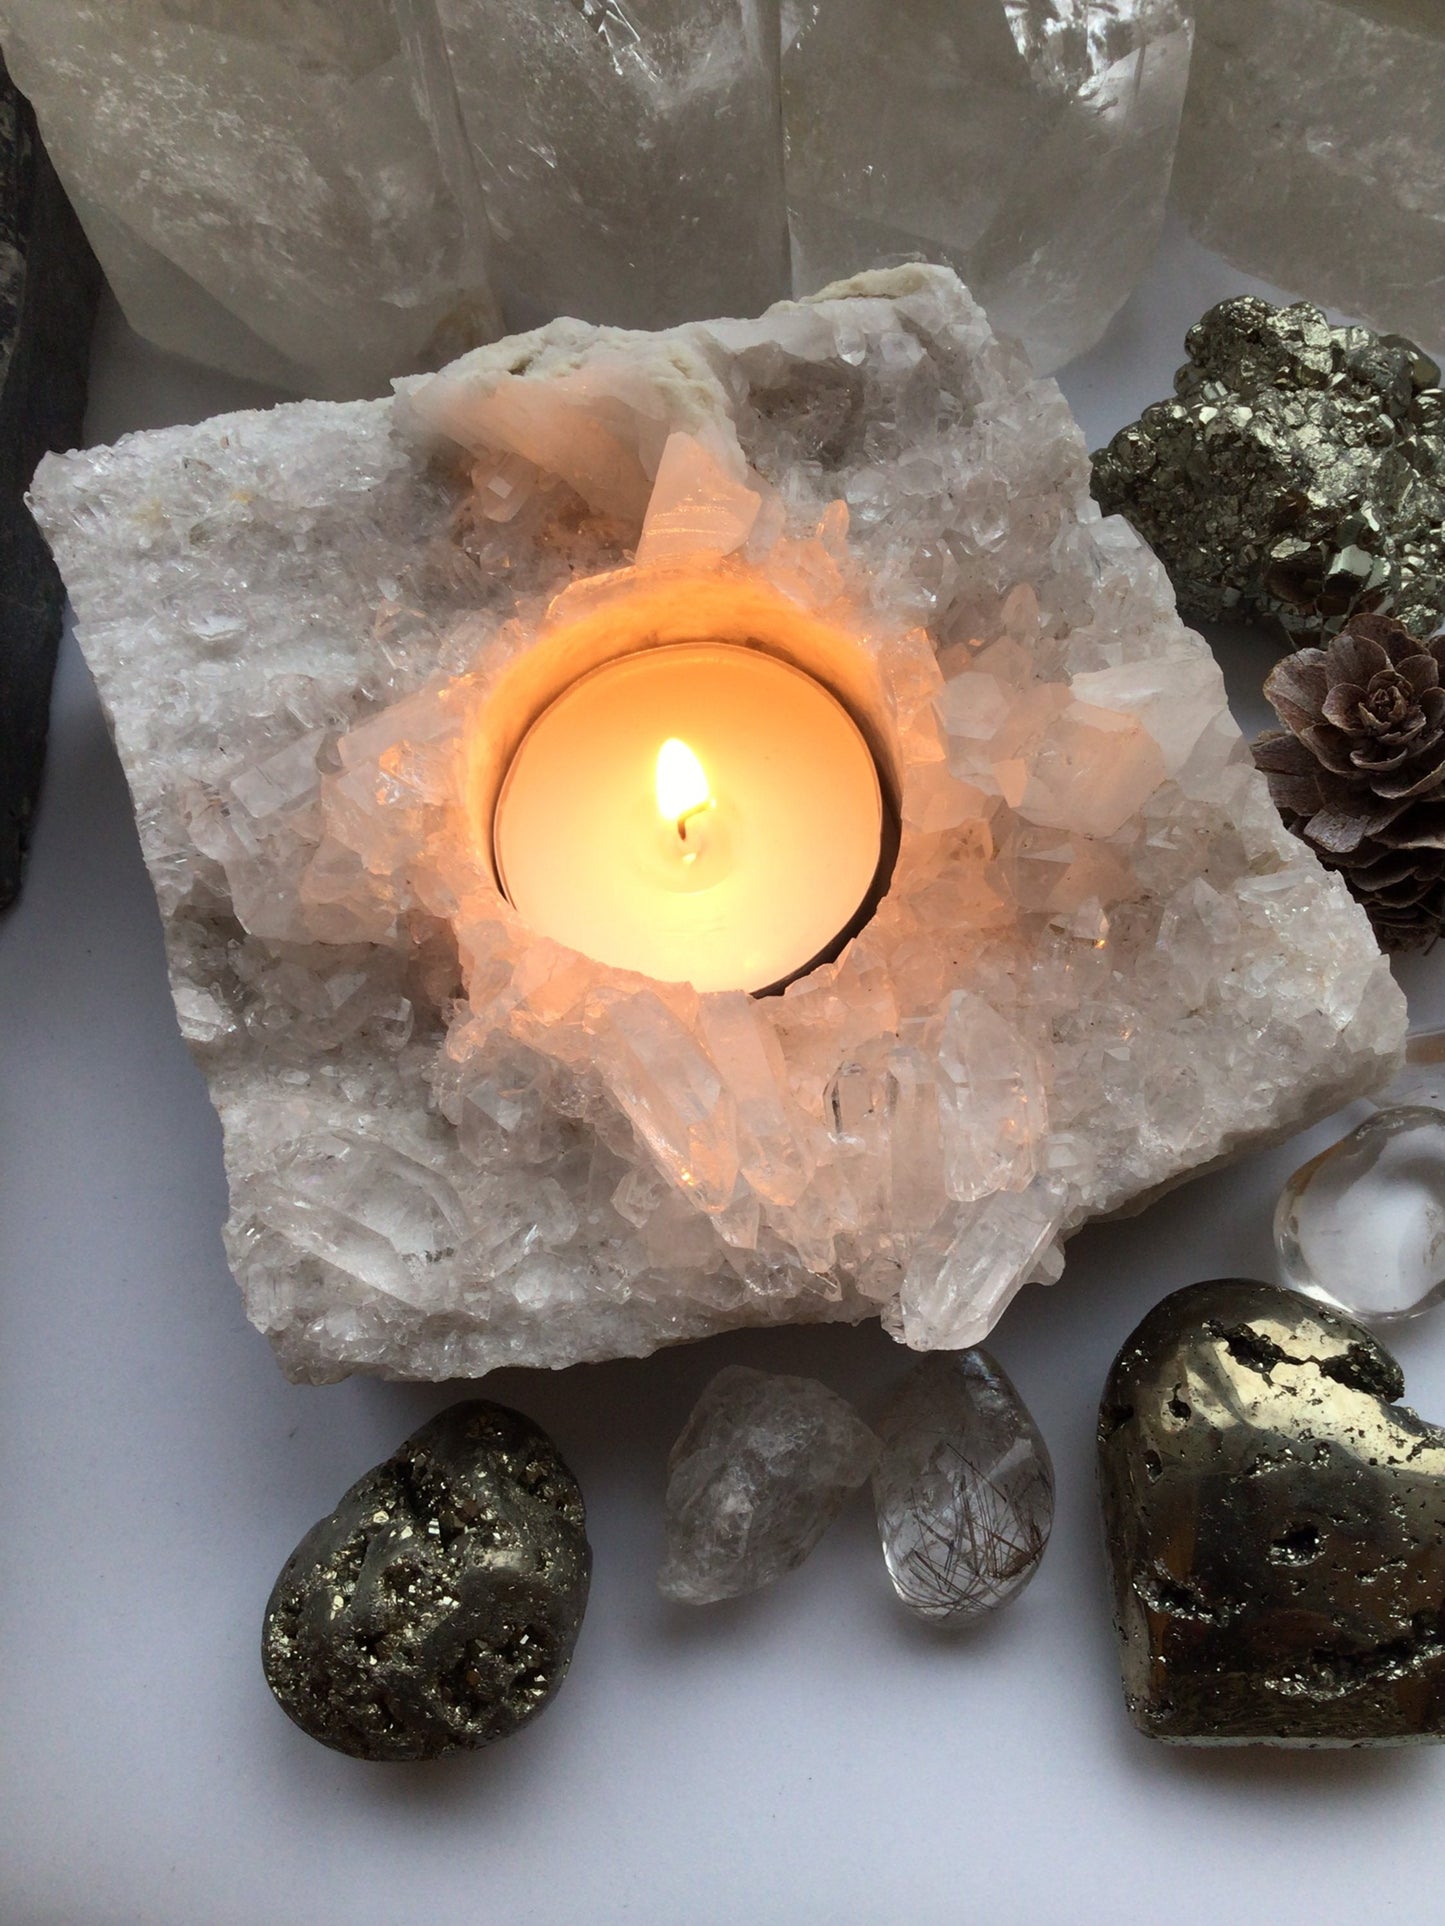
1296 477
436 1608
1276 1527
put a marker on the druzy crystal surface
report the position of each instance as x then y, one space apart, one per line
963 1488
1313 151
1026 142
763 1466
1101 962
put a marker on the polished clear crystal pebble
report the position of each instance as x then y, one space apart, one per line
964 1488
1362 1225
762 1468
1422 1079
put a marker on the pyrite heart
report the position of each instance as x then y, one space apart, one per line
1276 1527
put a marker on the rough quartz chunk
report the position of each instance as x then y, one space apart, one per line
762 1468
963 1488
1313 152
452 1144
1026 142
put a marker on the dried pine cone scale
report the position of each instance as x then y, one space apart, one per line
1358 770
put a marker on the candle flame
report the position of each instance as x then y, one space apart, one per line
682 785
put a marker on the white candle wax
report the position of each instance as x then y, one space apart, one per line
700 812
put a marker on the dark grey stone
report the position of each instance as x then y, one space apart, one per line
1276 1527
49 287
436 1608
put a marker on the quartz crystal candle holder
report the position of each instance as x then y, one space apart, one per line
452 1144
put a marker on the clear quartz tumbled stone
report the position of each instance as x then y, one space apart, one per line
964 1488
1362 1225
761 1469
1421 1080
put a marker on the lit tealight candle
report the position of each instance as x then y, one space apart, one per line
701 813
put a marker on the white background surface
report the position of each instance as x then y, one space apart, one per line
807 1755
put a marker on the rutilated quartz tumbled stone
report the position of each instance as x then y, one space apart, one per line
1276 1527
436 1608
963 1488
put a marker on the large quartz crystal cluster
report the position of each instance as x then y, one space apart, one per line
1101 961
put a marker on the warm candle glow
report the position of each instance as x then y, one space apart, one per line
700 812
682 785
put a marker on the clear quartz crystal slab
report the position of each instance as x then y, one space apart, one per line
326 195
452 1144
1362 1226
1028 143
271 189
1312 152
630 155
963 1489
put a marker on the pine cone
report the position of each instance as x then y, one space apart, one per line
1358 771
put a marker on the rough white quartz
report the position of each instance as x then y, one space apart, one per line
1313 151
1026 142
1102 963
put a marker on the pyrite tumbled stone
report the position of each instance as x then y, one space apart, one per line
436 1608
1276 1527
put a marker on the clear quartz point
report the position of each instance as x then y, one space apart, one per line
964 1488
1362 1226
